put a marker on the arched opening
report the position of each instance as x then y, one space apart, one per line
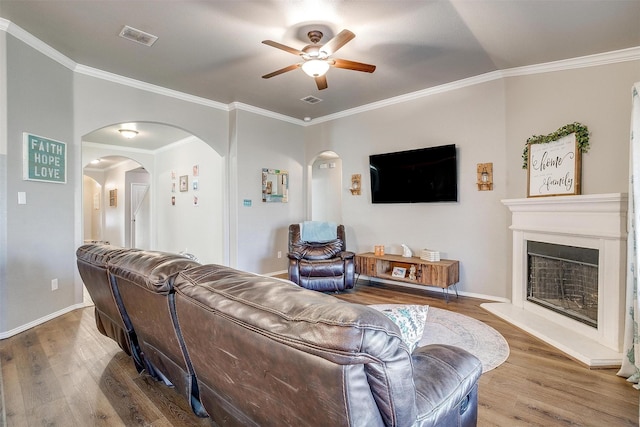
326 187
161 190
107 202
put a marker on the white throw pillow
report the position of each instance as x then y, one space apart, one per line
410 319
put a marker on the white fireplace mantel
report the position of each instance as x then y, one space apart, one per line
597 221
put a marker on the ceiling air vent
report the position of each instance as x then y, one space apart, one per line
137 36
311 99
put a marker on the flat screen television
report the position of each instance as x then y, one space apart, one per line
415 176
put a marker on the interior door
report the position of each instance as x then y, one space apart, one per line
139 215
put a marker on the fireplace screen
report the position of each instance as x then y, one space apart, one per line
564 279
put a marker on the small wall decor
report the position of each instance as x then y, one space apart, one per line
113 197
275 185
184 183
194 185
356 184
484 173
554 161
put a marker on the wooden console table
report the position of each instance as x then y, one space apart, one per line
442 274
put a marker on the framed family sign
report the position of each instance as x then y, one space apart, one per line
554 161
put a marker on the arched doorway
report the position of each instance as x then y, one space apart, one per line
326 187
179 218
108 202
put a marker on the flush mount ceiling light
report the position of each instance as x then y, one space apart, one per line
95 161
128 133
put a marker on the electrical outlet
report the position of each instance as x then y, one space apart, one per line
54 284
279 254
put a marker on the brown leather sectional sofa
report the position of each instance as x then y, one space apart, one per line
252 350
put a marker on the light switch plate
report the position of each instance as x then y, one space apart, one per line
22 198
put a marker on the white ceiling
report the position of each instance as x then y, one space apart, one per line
212 49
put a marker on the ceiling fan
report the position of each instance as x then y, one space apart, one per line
317 57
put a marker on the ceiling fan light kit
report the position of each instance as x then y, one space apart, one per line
316 57
315 67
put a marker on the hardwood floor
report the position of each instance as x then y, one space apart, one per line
65 373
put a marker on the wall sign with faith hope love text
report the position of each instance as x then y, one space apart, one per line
44 159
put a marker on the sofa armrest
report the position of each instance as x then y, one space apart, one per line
446 385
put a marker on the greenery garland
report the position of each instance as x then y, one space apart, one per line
582 138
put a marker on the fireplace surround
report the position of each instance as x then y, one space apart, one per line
598 224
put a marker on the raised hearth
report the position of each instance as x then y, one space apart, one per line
598 223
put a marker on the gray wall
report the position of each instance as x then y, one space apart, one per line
474 229
488 122
40 235
598 97
262 228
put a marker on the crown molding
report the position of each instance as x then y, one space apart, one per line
149 87
263 112
447 87
623 55
36 43
606 58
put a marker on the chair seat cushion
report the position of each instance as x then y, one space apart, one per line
322 268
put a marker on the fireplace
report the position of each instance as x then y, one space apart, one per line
568 274
564 279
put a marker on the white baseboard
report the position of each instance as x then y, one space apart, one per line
22 328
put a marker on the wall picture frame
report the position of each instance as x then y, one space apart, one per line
400 272
113 198
554 161
184 183
554 168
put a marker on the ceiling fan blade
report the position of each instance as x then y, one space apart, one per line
352 65
337 42
280 71
282 47
321 82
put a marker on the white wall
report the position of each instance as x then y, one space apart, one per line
115 228
326 190
185 227
92 212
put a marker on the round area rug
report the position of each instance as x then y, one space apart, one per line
447 327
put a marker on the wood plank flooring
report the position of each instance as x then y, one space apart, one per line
65 373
